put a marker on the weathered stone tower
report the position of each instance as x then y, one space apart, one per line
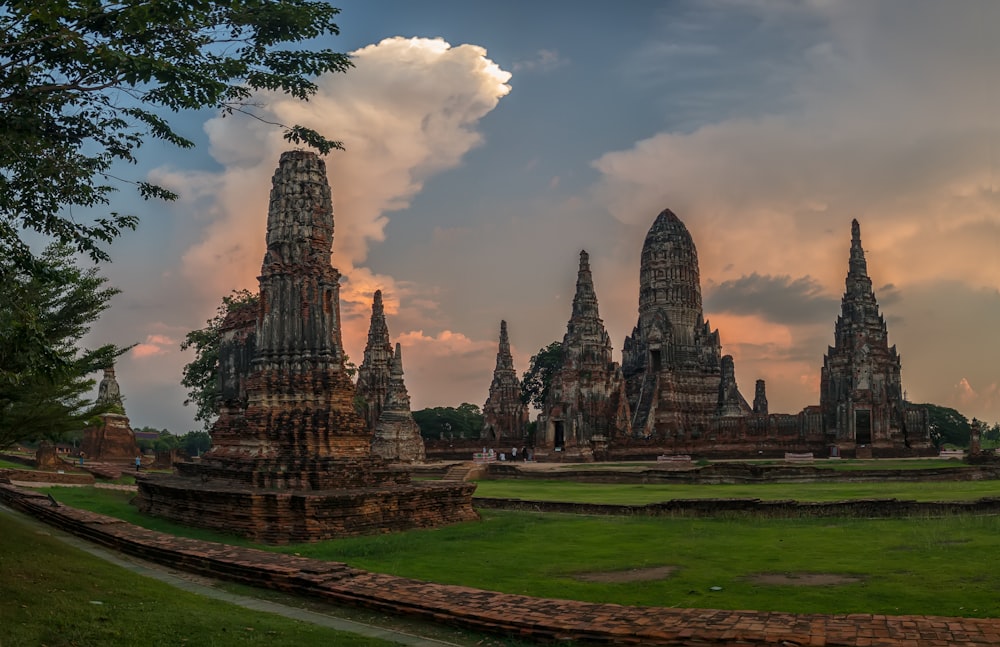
291 458
505 416
397 435
374 372
586 404
673 362
112 439
861 395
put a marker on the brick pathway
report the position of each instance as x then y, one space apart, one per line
516 615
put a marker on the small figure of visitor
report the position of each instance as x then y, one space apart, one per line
513 453
138 463
81 459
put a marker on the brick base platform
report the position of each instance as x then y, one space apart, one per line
294 516
537 619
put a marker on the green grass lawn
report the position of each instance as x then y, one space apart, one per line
940 566
56 595
639 493
13 465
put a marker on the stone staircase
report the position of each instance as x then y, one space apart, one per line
464 472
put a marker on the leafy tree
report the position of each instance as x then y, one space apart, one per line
541 369
948 426
43 374
201 375
465 421
196 443
84 83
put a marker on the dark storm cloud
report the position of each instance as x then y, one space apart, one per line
779 299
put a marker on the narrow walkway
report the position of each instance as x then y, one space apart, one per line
187 584
537 619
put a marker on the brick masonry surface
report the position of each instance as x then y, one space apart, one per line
536 619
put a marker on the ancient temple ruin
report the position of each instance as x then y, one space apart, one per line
112 438
586 406
682 394
505 415
374 372
291 457
677 380
861 394
397 435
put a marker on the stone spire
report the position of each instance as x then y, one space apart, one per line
505 416
586 398
760 398
397 435
298 397
861 396
374 372
299 289
108 392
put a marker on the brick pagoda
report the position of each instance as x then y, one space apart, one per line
374 372
111 439
861 394
586 405
397 436
505 416
291 458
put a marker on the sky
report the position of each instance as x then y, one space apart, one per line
488 143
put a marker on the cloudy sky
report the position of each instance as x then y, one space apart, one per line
487 144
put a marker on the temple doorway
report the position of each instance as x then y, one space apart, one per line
863 427
560 435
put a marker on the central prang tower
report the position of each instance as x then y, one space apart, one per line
677 380
291 457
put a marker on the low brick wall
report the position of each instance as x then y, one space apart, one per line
35 476
861 508
733 473
527 618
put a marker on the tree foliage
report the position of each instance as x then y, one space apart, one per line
948 426
43 374
538 378
84 83
201 375
465 421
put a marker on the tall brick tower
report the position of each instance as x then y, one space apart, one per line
291 457
673 362
374 373
861 394
586 404
505 416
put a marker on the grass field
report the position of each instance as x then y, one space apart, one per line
940 566
638 493
56 595
843 464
